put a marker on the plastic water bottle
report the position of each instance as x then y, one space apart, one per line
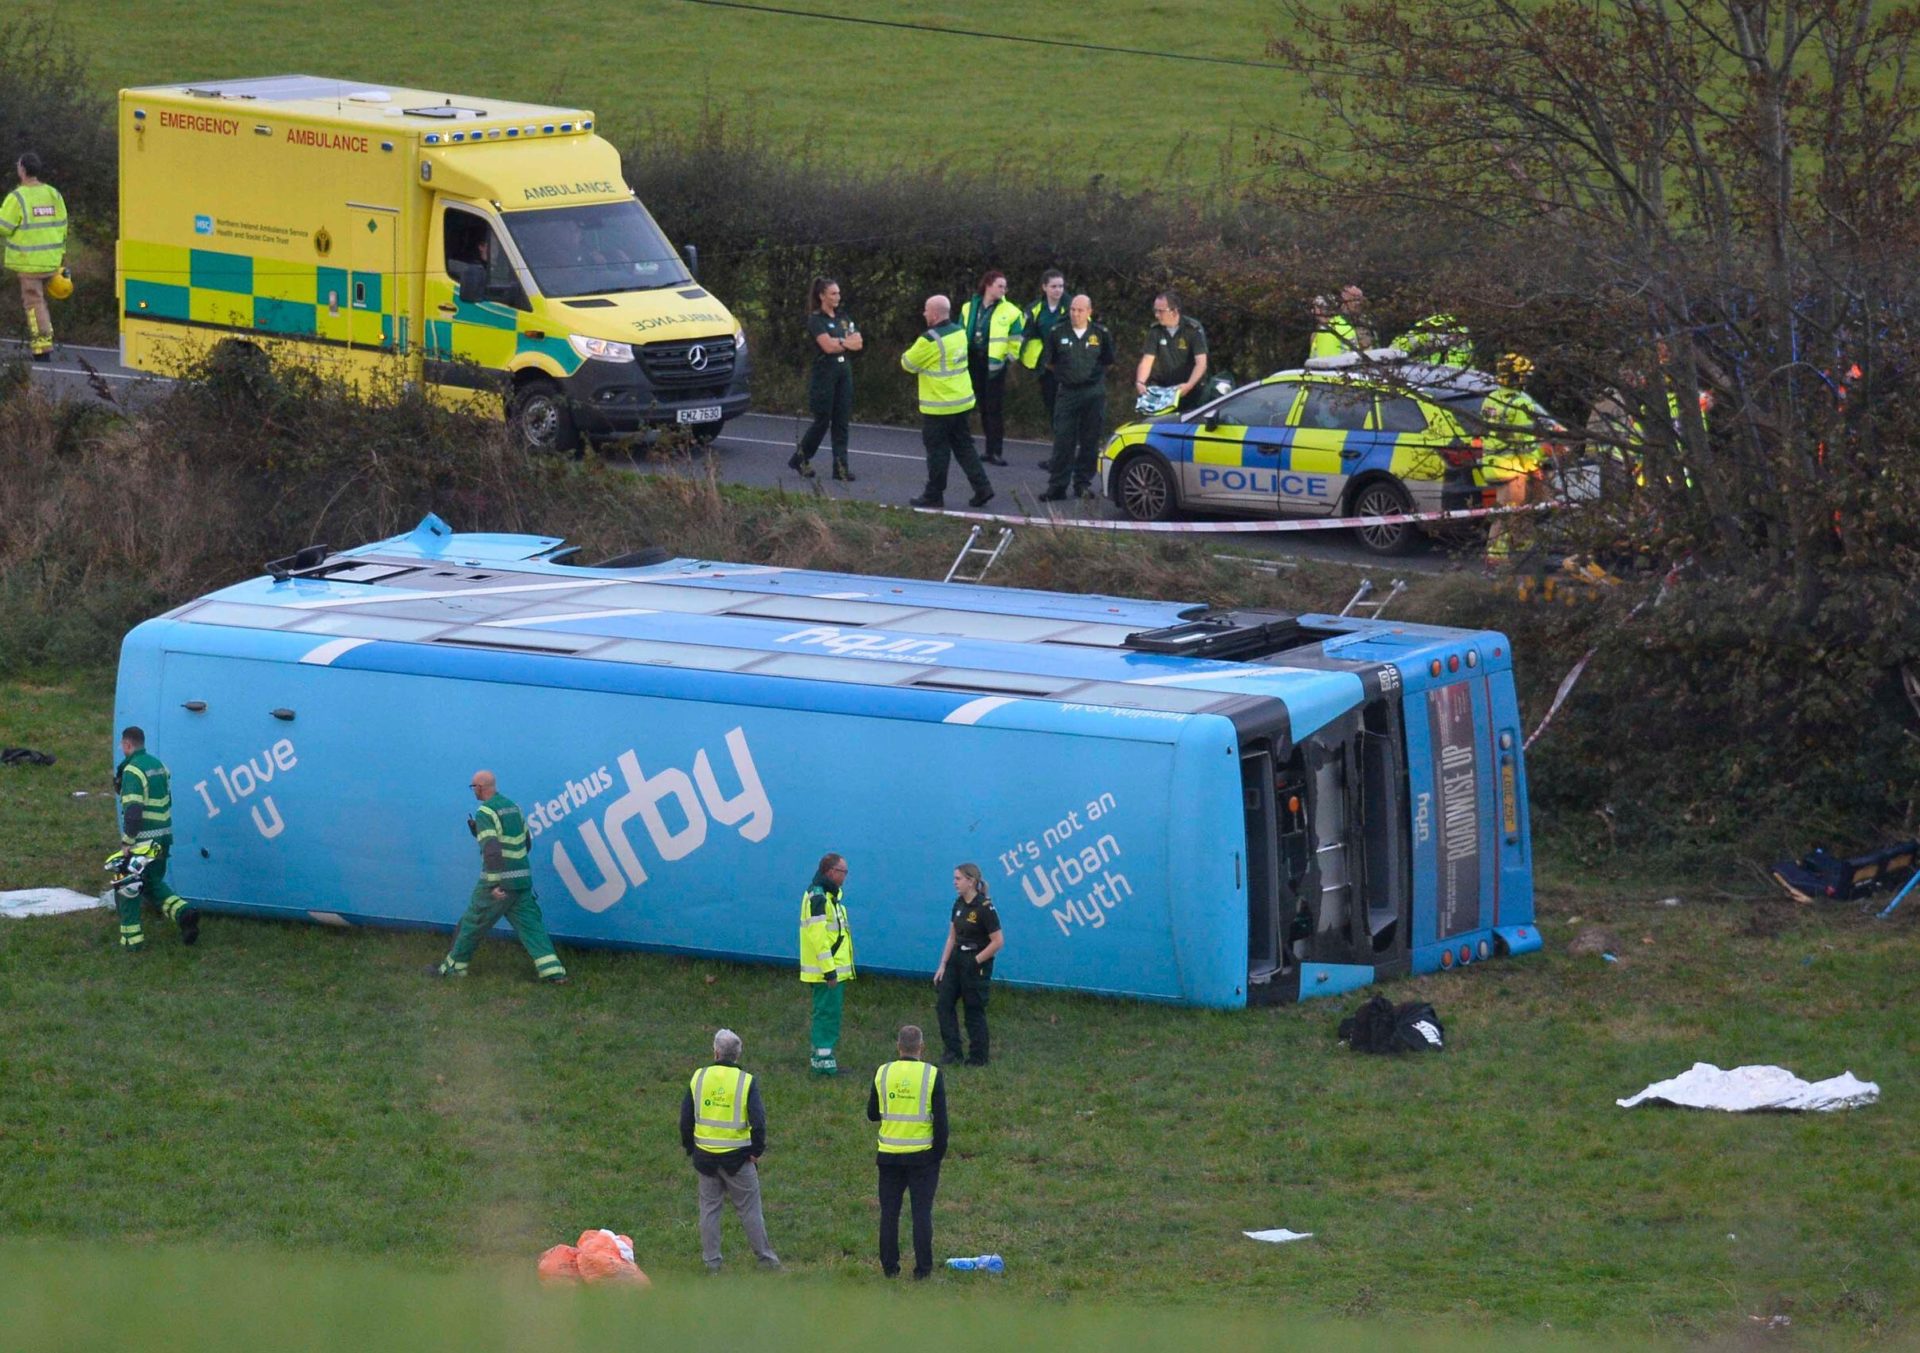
986 1263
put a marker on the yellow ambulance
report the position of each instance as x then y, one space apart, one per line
488 251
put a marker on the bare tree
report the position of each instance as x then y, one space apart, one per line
1723 190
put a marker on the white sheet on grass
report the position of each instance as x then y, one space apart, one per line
1278 1237
45 902
1746 1089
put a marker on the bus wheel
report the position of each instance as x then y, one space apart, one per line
1144 489
541 418
1384 498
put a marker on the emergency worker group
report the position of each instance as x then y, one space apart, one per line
723 1116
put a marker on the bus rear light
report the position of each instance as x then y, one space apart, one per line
1446 958
1453 662
1466 953
1433 668
1485 948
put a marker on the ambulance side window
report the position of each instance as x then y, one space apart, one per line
471 243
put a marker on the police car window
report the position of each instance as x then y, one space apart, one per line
1266 405
595 249
1400 414
1335 408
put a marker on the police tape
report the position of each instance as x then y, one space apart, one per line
1240 527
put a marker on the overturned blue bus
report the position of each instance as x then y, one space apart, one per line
1167 803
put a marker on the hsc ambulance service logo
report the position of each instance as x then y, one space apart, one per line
203 225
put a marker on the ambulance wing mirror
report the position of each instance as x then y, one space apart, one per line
692 251
473 283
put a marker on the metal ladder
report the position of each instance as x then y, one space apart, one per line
972 548
1362 604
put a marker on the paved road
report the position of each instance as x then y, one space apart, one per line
887 462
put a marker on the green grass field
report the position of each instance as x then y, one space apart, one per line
294 1096
875 96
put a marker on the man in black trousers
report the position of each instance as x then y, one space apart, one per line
909 1102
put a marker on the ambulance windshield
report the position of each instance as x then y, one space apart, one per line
594 250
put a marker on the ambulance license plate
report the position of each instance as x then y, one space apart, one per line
709 413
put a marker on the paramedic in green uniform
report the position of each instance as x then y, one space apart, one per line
505 887
832 335
146 831
1077 357
826 958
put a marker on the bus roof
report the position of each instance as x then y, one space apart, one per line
445 593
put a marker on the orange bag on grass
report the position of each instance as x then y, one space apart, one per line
603 1256
558 1265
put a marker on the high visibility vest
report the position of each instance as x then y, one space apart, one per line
1513 433
720 1108
499 819
1440 339
1003 331
939 358
144 781
826 944
1035 325
1334 336
33 220
905 1091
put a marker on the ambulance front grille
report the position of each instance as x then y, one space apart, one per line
704 363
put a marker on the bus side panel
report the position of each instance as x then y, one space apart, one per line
1511 827
681 825
1206 898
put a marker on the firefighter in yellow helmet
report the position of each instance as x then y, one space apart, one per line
1512 458
33 229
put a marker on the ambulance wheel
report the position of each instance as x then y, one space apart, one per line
542 419
1384 498
1144 489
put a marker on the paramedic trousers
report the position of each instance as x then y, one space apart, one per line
1078 415
522 911
990 397
824 1034
742 1189
830 400
915 1173
153 887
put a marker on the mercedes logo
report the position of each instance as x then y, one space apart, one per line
697 357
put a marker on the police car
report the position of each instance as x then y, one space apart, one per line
1358 435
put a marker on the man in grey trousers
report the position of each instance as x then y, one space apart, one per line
723 1126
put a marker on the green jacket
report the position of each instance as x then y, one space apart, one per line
146 799
502 833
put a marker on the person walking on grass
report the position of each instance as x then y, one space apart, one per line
146 840
505 887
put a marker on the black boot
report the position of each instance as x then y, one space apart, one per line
799 466
841 472
189 926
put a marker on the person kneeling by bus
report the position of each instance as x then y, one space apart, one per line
965 973
505 887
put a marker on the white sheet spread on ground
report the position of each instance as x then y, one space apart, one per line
1278 1237
45 902
1746 1089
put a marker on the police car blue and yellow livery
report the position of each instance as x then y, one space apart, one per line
489 252
1336 438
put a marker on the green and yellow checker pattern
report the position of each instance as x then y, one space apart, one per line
169 283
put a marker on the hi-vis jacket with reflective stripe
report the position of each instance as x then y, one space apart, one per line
1334 335
720 1108
1035 325
826 944
905 1092
939 358
146 799
502 833
1003 323
33 221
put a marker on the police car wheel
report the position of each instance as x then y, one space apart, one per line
1384 498
541 418
1144 489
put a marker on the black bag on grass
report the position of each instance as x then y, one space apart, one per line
1383 1027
